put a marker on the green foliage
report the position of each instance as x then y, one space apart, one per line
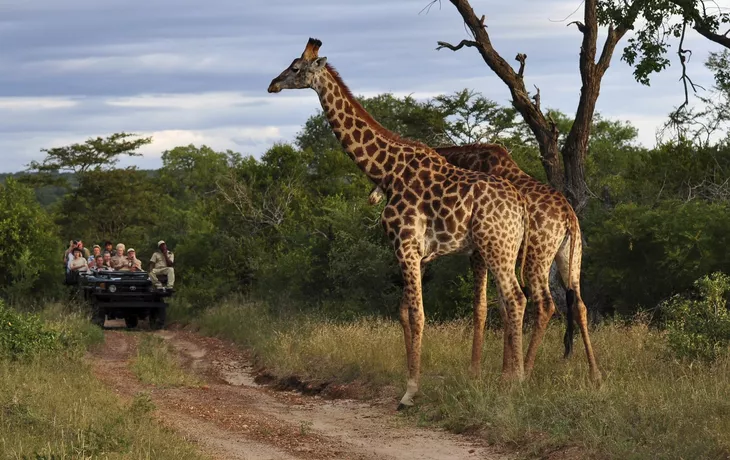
700 328
24 334
95 153
472 118
642 254
28 246
118 204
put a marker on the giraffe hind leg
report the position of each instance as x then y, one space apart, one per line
577 311
479 268
544 310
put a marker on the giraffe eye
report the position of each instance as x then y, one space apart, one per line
295 69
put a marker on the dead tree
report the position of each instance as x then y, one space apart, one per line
568 177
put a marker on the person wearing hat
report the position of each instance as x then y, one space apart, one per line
133 263
97 253
78 263
119 260
162 263
108 247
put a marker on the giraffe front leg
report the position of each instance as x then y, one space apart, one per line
479 268
412 309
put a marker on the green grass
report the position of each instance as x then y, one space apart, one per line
649 406
52 406
156 364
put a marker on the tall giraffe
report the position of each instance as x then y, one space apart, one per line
433 208
554 235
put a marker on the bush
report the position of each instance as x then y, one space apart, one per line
639 255
23 334
700 328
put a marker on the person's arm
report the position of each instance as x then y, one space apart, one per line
169 260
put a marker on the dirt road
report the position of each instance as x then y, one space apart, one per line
232 417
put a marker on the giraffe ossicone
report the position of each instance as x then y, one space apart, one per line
433 208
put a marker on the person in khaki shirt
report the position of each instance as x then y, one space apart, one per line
119 260
162 263
78 263
132 262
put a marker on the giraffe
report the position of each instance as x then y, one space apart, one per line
433 208
554 235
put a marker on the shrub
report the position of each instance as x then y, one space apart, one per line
700 328
24 334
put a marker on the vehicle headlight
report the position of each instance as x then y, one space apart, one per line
112 288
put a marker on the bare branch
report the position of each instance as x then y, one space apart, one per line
521 57
681 52
427 8
581 27
536 97
271 210
461 44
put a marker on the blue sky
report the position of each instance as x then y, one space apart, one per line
187 71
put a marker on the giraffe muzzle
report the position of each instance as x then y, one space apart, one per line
274 87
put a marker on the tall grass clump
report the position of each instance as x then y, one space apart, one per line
156 364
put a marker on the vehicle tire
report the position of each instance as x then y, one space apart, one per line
157 318
131 321
98 316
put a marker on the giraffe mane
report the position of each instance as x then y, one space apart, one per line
466 148
372 122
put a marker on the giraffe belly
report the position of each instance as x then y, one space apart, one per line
438 244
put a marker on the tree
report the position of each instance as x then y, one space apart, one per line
569 177
470 118
94 154
119 204
28 244
192 172
699 125
662 21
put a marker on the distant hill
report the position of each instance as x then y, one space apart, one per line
47 196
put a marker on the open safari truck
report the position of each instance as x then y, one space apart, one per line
123 294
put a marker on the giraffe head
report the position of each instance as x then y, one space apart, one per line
303 70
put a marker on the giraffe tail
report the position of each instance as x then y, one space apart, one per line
525 242
572 228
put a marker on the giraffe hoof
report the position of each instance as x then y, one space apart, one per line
402 407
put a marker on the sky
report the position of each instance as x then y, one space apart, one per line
191 71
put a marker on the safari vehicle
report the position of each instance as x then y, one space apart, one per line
124 294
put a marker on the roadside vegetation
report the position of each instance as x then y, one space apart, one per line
52 406
654 401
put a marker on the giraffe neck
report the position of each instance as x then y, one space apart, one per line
372 147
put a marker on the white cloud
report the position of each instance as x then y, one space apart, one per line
35 103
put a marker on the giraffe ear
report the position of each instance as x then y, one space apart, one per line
319 63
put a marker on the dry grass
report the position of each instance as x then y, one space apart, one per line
156 364
649 406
